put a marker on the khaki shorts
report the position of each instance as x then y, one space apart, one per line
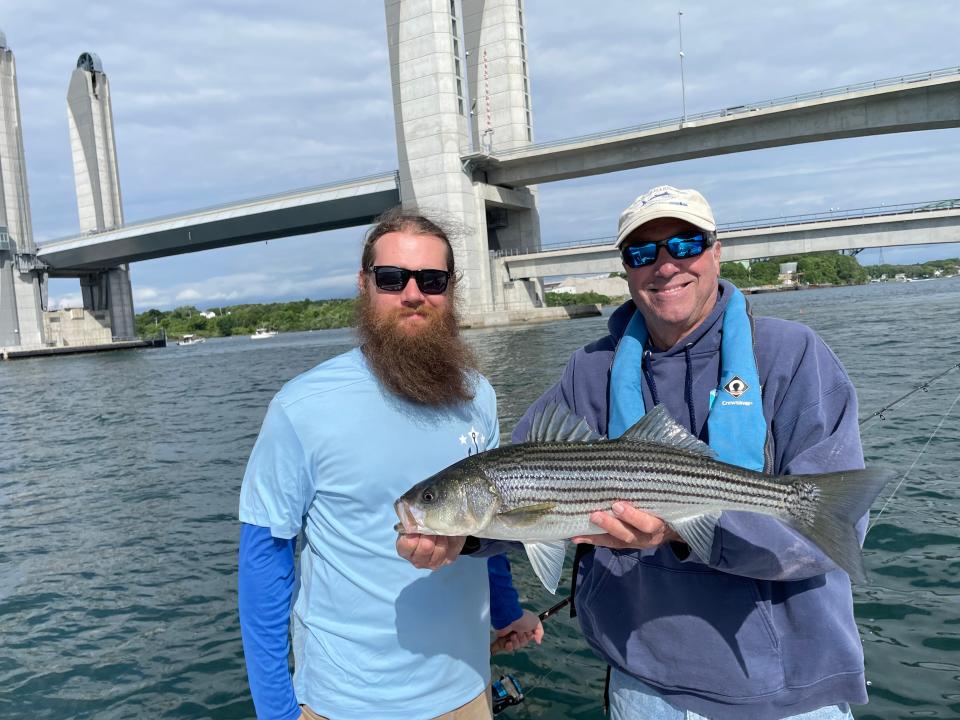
480 708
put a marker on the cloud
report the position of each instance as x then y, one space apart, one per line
62 302
220 101
245 287
143 295
269 283
190 294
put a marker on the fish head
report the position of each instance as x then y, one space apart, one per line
455 501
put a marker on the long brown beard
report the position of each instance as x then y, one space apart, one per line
428 367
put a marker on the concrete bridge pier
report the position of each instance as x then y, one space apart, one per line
96 175
21 288
460 82
110 291
22 293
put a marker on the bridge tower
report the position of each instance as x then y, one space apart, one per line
90 114
499 84
459 75
21 286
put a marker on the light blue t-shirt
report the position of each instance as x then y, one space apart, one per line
373 636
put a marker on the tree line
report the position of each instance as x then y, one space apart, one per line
245 319
831 268
822 268
826 268
921 271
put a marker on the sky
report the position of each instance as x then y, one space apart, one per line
225 100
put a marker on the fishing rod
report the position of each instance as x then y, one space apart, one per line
507 691
923 386
501 644
549 612
916 460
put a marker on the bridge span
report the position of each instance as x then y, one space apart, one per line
913 224
325 207
912 102
457 87
923 101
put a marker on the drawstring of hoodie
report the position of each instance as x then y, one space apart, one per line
647 367
648 374
688 392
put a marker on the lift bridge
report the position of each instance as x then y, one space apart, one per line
466 150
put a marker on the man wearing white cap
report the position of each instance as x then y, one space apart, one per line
764 626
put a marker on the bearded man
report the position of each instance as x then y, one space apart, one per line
373 636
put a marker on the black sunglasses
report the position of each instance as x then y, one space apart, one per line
680 246
395 279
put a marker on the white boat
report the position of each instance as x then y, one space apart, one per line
191 340
262 333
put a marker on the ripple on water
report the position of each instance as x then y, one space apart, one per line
117 571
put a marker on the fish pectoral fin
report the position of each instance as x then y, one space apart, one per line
547 561
697 532
658 427
526 515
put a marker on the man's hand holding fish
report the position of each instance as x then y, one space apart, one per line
629 527
429 552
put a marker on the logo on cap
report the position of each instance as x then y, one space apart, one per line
736 387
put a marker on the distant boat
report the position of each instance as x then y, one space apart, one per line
262 333
191 340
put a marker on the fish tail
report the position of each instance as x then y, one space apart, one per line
828 508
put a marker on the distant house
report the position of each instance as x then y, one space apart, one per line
209 314
788 273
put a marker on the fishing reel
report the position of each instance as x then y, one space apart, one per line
506 692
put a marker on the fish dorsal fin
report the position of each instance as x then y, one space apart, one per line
658 427
555 423
547 561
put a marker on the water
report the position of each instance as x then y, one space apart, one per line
120 473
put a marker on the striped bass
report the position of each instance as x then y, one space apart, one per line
542 491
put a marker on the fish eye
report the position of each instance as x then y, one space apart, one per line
428 495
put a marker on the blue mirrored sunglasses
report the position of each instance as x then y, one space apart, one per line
680 246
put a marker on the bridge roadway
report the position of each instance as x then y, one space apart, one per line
916 102
914 224
924 101
326 207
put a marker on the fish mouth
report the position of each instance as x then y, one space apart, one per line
410 518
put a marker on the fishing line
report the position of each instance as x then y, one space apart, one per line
874 415
922 450
924 386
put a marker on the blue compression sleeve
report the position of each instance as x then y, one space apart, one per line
265 588
504 600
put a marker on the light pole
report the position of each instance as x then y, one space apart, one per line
683 88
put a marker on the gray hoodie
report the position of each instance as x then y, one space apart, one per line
766 628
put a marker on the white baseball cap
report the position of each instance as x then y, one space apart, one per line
666 201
